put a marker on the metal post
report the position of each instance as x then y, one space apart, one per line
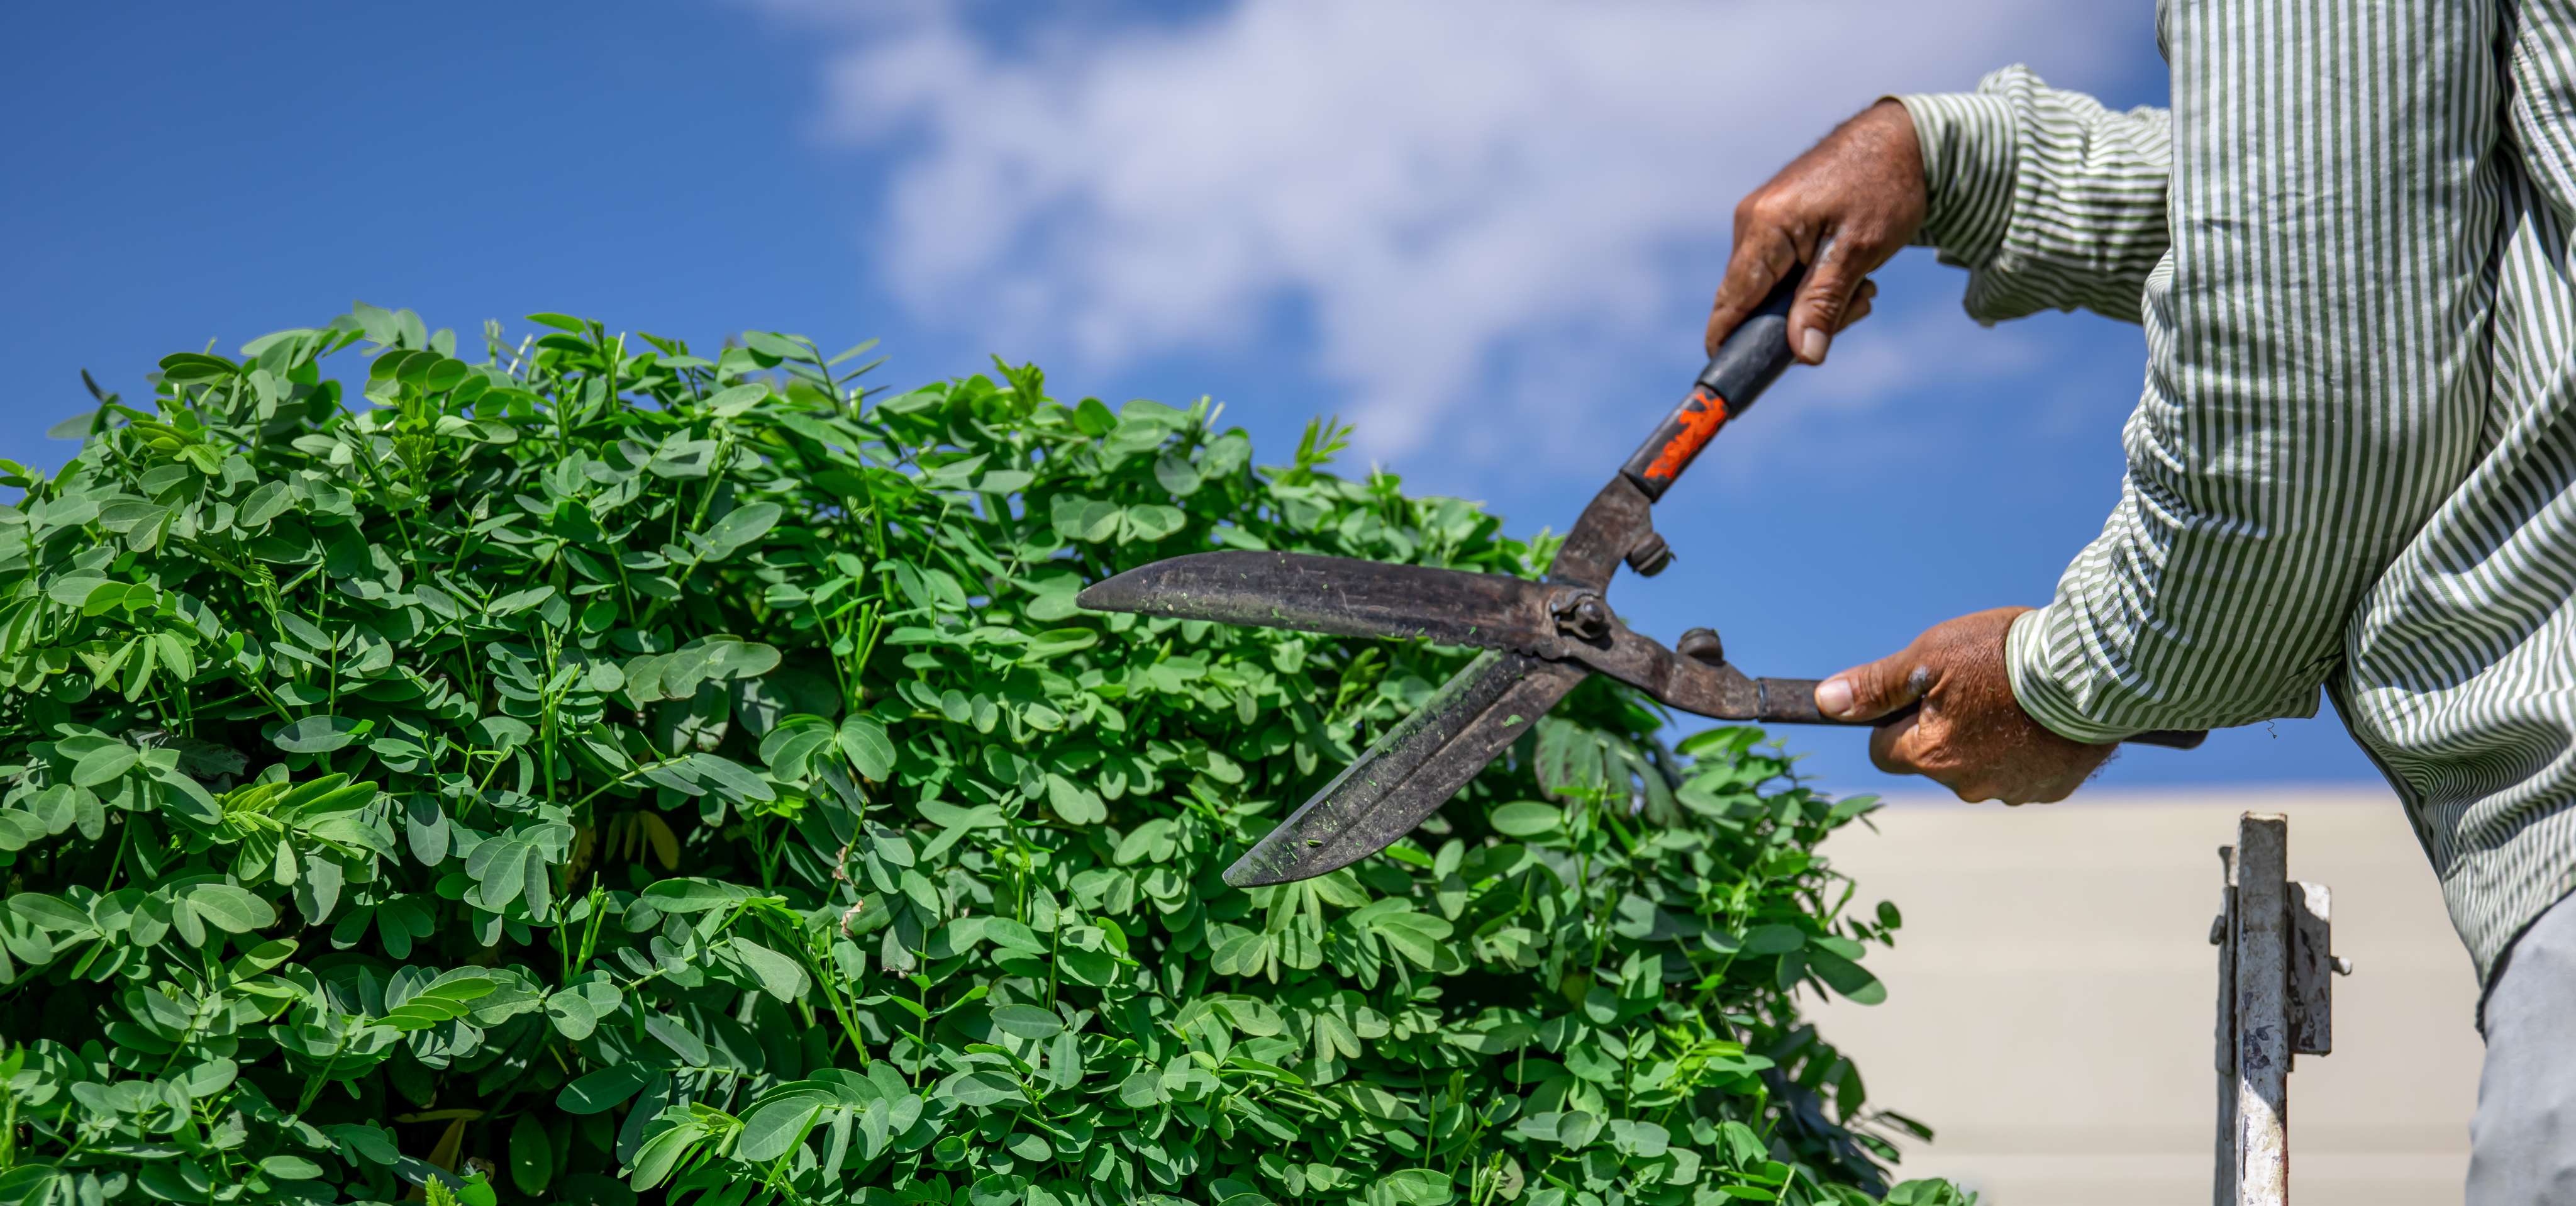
2262 1010
2222 933
2275 1002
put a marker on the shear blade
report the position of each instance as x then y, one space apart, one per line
1411 771
1418 764
1341 596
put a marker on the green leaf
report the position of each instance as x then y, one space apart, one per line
737 399
1076 804
75 591
358 1140
263 504
731 659
1027 1021
863 740
230 909
672 1034
532 1156
573 1015
603 1090
1774 939
196 367
1093 419
29 1183
1010 935
48 912
774 1128
741 526
521 600
445 999
1846 977
289 1168
729 778
1152 521
779 975
693 895
1411 1187
788 747
1416 936
1086 519
320 734
1061 641
976 1090
1176 474
777 347
104 764
1643 1140
1526 818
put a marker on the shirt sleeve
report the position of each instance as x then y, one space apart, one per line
2048 199
2317 362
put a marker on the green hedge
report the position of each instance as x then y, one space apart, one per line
603 773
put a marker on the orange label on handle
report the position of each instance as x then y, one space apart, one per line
1701 415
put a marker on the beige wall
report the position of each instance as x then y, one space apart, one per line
2051 998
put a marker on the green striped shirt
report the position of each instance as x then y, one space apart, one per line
2353 466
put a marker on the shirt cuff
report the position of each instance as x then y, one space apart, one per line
1969 150
2039 689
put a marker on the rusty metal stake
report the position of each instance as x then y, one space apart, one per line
2275 1002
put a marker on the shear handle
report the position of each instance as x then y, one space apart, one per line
1793 701
1753 356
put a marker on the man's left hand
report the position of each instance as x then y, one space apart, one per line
1970 735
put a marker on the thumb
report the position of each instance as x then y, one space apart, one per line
1823 298
1872 690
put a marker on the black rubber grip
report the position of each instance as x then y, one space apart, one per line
1753 356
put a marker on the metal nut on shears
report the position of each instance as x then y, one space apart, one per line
1701 645
1650 555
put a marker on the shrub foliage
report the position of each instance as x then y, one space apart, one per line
604 772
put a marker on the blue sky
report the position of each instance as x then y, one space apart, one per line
1486 233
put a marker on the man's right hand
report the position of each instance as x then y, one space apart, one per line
1843 208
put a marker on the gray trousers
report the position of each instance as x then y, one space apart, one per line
2522 1144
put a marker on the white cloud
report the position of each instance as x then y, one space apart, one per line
1437 191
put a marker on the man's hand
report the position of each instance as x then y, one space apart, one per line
1845 206
1970 736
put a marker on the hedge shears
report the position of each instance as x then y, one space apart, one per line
1540 638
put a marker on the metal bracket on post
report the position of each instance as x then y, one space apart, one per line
2275 1001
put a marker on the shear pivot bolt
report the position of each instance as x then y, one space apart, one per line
1650 555
1583 614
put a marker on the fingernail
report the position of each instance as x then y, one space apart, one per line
1834 697
1811 347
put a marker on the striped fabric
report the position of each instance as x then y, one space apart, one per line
2351 466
